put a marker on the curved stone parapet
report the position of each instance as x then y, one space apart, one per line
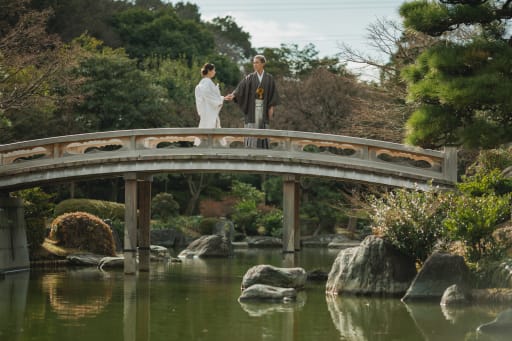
114 153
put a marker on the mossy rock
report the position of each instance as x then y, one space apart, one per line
83 231
100 208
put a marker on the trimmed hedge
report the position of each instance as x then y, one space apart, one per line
83 231
102 209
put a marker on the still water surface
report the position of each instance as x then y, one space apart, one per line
197 300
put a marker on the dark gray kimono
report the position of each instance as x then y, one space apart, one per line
245 94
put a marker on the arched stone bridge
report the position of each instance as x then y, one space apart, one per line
150 151
138 154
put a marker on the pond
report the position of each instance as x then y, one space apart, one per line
198 300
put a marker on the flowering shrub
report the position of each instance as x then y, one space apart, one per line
411 220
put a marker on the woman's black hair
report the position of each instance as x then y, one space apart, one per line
207 68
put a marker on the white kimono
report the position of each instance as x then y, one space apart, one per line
208 104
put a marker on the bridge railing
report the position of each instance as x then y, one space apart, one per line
440 165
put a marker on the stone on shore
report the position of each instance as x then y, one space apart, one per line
208 246
373 268
439 271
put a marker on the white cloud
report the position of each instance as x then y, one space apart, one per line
268 33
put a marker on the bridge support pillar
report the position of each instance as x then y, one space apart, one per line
13 238
130 224
291 201
144 240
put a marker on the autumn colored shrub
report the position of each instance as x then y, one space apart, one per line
83 231
217 208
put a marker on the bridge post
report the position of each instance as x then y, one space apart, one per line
13 238
450 163
130 223
291 200
144 240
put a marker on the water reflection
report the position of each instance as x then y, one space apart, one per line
197 300
136 307
73 299
436 322
258 309
13 301
358 318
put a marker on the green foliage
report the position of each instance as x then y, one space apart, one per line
207 226
270 223
273 187
246 192
83 231
71 18
162 33
36 233
118 95
179 80
230 39
289 60
435 18
189 225
244 216
484 203
490 159
37 207
411 220
322 204
36 202
163 206
103 209
485 183
474 219
460 87
250 216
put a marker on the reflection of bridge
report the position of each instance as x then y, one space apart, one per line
138 154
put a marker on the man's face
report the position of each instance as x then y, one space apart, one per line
257 65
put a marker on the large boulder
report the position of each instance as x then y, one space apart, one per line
208 246
267 292
373 268
274 276
439 271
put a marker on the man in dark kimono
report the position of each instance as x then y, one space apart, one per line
256 95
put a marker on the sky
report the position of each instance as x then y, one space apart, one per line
325 23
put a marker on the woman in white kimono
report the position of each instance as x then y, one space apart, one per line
208 101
